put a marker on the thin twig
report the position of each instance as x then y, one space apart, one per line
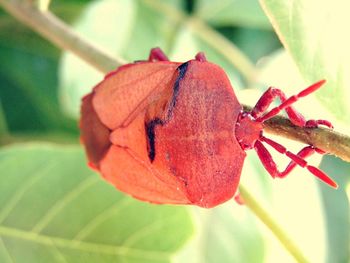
59 33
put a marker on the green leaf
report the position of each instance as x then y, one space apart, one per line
337 216
227 233
28 76
54 209
31 79
3 123
279 70
245 13
246 40
314 32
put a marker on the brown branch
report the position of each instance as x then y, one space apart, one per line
325 139
64 37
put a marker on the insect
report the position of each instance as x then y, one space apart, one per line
175 133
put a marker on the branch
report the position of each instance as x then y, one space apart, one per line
59 33
330 141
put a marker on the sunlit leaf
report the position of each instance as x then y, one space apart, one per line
230 234
337 208
314 32
279 70
246 13
54 209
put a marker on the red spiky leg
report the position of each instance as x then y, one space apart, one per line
270 165
295 117
303 153
268 97
157 54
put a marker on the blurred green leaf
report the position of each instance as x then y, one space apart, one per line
279 70
3 123
314 32
255 43
28 92
337 210
28 74
245 13
230 234
54 209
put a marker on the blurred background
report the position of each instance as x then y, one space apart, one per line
50 201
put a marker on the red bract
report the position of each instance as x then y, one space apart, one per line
168 132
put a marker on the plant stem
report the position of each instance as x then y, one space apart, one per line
54 29
267 220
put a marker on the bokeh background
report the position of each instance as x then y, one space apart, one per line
54 209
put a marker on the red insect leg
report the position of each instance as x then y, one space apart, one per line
157 54
303 153
295 117
201 57
268 97
271 166
238 198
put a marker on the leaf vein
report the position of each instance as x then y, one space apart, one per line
20 192
60 204
95 222
7 252
89 247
